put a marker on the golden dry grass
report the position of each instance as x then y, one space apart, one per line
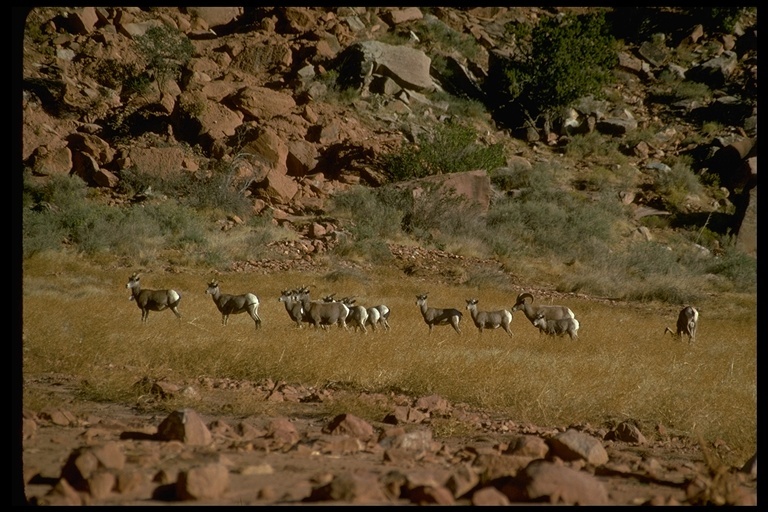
77 320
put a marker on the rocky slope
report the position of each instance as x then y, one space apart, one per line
258 95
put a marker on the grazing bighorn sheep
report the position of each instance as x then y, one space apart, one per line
378 315
357 316
152 300
234 304
687 322
559 327
489 319
321 313
548 312
384 315
438 316
293 306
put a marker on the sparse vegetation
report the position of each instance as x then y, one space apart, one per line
451 148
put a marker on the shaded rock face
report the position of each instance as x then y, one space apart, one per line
257 94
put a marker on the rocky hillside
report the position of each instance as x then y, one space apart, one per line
298 103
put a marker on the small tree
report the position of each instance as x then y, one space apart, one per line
166 50
569 57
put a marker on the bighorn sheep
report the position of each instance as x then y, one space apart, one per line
687 322
357 316
489 319
152 300
321 313
438 316
383 315
378 315
293 306
548 312
234 304
559 327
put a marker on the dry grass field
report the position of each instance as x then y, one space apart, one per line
78 321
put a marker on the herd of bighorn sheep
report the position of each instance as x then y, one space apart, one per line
551 320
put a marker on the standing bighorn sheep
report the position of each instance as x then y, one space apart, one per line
438 316
357 316
559 327
293 306
323 314
378 315
546 312
234 304
152 300
687 323
489 319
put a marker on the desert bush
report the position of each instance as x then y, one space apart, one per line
547 220
676 184
166 51
439 214
569 58
125 76
180 225
214 192
437 36
40 232
459 107
60 211
451 148
368 213
595 148
739 268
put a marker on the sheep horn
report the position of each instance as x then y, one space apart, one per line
525 295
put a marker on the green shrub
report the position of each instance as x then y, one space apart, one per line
166 50
569 58
451 148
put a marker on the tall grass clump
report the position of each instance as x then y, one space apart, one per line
60 213
452 147
545 220
676 184
217 192
437 217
